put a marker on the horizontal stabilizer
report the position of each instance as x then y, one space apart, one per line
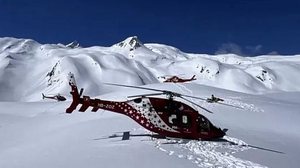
95 109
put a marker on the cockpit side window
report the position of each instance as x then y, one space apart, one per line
203 124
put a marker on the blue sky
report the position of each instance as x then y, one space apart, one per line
247 27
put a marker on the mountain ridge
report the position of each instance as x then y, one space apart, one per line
43 68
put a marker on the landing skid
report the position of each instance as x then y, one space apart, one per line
126 136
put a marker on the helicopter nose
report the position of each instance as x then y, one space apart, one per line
222 132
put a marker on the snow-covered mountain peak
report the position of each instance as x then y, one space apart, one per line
130 43
73 44
17 46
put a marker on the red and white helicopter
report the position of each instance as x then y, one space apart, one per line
57 97
176 79
166 117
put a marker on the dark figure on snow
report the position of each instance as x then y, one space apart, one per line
213 99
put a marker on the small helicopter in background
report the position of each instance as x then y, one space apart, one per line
57 97
176 79
166 117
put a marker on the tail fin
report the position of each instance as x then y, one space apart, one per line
193 78
74 93
43 95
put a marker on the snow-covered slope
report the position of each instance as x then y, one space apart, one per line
41 134
28 68
38 133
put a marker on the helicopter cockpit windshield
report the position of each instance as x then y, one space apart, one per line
203 124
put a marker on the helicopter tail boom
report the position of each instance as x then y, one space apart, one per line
86 101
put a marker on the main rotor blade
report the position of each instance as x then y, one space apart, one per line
192 97
196 104
230 105
213 102
144 95
168 92
137 87
157 90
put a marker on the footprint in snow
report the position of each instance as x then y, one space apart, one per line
211 154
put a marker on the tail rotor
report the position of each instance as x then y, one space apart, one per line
81 91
